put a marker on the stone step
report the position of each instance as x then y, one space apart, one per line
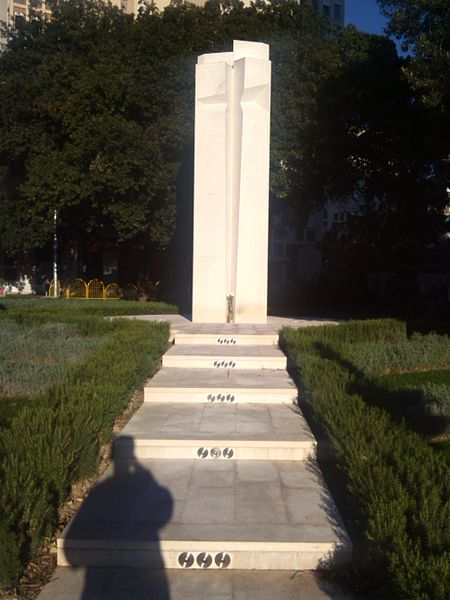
224 357
189 584
227 339
216 432
193 514
221 386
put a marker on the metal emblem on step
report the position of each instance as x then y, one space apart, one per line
224 364
222 560
204 560
186 560
221 340
215 452
220 397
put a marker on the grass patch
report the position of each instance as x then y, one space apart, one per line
397 485
33 357
63 308
395 381
53 440
418 353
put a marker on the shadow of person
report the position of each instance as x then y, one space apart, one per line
114 535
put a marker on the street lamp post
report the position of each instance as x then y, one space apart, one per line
55 255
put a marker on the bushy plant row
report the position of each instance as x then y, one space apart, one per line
398 485
55 442
33 357
64 308
420 352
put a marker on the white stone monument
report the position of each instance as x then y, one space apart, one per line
231 185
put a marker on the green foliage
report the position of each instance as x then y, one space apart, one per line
399 486
415 379
55 440
436 399
34 357
49 307
420 352
424 27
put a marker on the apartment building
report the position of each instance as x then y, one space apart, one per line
13 11
331 9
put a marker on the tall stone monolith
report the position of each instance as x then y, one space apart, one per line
231 185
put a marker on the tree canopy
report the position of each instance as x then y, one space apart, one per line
423 26
96 114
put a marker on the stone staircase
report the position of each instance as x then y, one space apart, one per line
216 470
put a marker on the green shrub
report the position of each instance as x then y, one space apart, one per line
398 485
63 307
35 356
55 441
436 399
418 353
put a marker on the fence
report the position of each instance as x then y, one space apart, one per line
95 289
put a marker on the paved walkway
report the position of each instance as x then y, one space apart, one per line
215 492
180 324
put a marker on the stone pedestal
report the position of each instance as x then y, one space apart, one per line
231 185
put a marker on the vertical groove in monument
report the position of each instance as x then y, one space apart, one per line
231 184
232 215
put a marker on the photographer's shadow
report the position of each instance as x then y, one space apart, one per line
116 533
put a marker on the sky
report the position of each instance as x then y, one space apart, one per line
365 14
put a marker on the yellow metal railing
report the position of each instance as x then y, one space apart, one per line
95 289
51 290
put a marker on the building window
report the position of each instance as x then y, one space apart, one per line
299 237
310 236
19 20
326 10
337 12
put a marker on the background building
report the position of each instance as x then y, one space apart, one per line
12 11
332 9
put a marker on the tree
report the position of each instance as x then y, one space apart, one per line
423 26
96 109
87 128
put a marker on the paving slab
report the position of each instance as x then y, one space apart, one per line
224 357
144 584
260 514
182 324
225 337
221 386
217 432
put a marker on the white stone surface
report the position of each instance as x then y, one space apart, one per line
147 584
224 357
216 432
263 514
231 184
228 338
221 386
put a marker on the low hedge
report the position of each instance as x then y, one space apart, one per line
398 486
55 442
68 308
